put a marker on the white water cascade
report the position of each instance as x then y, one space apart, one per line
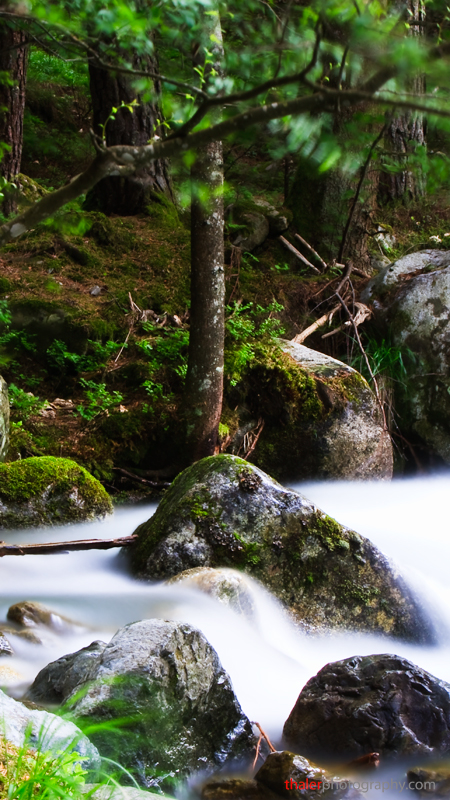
268 659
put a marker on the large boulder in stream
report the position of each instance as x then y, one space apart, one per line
49 491
321 418
412 302
223 511
167 680
380 703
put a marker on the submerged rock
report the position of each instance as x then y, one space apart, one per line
29 614
321 419
55 682
168 678
223 511
380 703
225 585
43 731
49 491
292 775
283 774
5 647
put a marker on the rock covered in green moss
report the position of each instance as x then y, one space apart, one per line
223 511
321 419
49 491
4 418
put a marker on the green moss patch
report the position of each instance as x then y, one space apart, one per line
46 490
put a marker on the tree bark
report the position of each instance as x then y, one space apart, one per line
204 379
127 195
406 133
13 60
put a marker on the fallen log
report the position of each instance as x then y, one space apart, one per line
64 547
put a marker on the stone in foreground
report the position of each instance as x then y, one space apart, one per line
49 491
380 703
224 512
43 731
168 678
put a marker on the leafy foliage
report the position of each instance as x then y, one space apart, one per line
245 327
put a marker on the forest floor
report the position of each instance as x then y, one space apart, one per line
93 378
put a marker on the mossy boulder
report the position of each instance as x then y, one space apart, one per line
223 511
49 491
321 419
413 310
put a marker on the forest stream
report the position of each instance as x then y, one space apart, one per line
267 657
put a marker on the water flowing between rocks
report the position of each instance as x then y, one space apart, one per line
268 659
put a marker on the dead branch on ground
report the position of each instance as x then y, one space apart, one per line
64 547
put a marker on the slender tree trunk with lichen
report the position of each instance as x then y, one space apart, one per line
204 380
13 63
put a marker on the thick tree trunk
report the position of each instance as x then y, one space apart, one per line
204 381
131 195
322 201
13 60
406 133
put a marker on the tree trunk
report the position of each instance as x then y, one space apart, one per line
406 133
13 60
204 380
126 196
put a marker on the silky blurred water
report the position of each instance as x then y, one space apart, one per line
267 657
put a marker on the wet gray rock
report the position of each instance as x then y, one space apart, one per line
311 781
225 585
112 792
44 731
5 647
412 298
380 703
223 511
169 678
55 682
29 614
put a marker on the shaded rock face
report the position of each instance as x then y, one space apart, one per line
413 306
321 418
379 703
59 679
225 585
5 647
223 511
168 678
49 491
4 419
44 731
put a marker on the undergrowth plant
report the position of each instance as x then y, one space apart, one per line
246 326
